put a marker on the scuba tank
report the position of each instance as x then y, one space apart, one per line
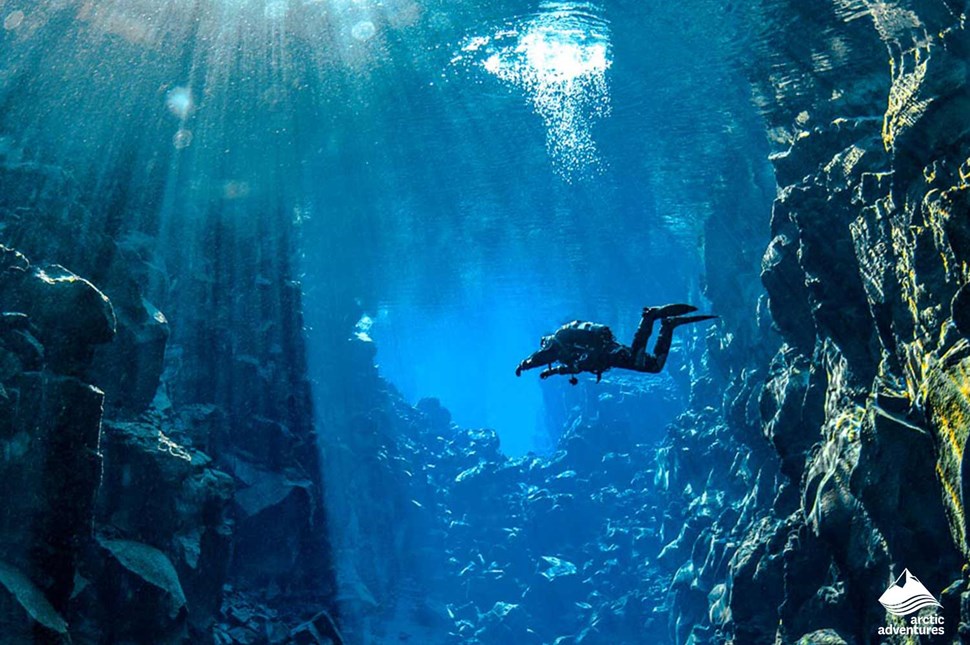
581 337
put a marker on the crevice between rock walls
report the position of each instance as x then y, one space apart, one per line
159 464
846 447
160 470
822 451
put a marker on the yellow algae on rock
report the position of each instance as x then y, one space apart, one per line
948 407
905 106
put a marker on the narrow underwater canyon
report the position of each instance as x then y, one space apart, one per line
199 444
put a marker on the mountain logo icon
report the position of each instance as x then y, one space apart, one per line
903 599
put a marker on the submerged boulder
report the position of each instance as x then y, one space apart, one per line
129 370
271 509
167 497
68 314
25 611
151 566
319 630
134 595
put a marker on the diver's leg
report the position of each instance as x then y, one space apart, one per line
655 363
662 348
650 314
677 309
644 329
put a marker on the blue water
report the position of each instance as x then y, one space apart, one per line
452 180
486 188
473 175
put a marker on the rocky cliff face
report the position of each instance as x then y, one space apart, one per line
855 427
148 467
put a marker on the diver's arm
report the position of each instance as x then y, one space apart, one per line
545 356
559 370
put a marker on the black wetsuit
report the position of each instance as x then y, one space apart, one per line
590 347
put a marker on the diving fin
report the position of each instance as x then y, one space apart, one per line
665 311
684 320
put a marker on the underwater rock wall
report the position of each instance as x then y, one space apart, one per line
863 406
51 467
148 457
373 457
237 367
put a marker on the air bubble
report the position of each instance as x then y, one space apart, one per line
235 190
363 30
14 20
276 10
182 139
179 102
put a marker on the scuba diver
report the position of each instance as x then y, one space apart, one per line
590 347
